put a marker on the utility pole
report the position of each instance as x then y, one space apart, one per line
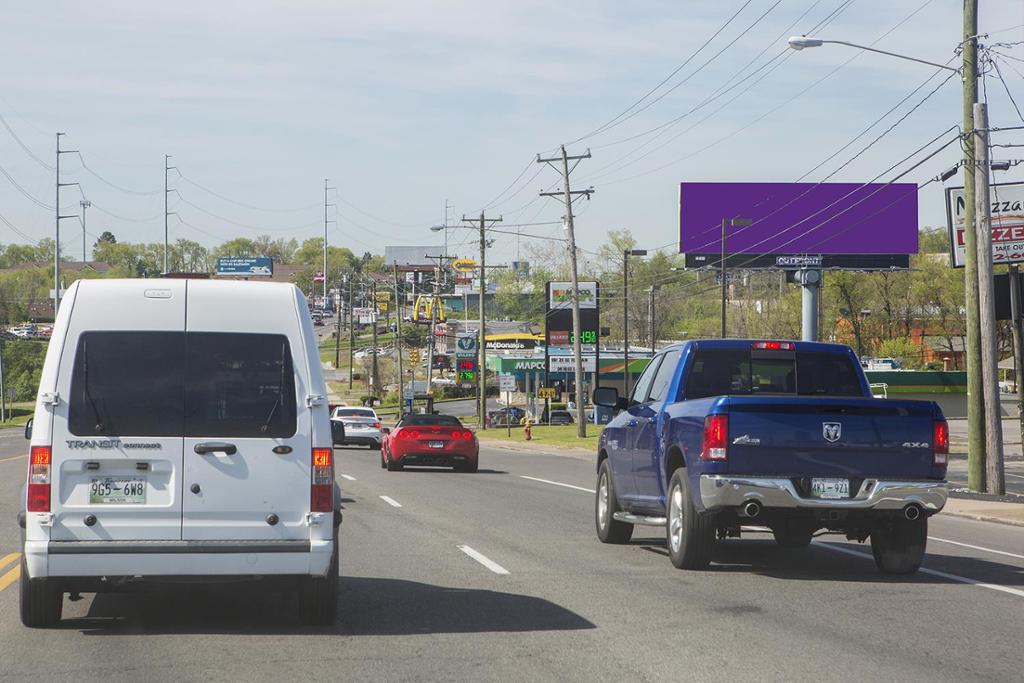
337 331
976 423
986 306
650 315
59 217
568 194
1018 341
374 374
398 346
326 189
732 223
481 370
625 310
167 191
351 331
85 204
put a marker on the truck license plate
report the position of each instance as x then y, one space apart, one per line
830 488
129 490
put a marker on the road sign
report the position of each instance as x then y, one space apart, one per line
1007 223
246 266
464 265
507 382
466 346
547 392
382 296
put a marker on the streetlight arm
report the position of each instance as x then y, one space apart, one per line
802 42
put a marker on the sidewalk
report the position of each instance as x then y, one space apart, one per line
985 510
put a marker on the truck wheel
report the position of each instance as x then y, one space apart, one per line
792 537
605 505
690 535
318 596
899 548
41 602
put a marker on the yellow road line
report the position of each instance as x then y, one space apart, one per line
10 577
7 559
17 457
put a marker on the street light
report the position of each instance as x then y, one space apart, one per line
626 253
439 228
801 42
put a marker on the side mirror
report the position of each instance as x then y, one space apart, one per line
28 428
385 430
607 397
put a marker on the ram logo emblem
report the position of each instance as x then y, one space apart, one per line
831 431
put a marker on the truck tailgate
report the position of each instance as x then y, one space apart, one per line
845 437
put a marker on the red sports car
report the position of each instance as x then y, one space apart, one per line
429 440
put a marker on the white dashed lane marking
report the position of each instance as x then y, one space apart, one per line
557 483
391 501
348 477
483 559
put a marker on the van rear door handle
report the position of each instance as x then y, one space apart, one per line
215 447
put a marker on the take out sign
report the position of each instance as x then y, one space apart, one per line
1007 207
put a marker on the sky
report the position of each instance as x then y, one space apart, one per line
406 106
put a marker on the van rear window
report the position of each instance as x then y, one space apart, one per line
199 384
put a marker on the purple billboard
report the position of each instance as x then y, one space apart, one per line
845 224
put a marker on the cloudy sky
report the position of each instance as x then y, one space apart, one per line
407 104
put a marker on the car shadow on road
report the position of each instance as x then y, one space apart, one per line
830 559
366 607
448 470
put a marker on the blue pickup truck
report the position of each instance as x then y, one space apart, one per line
724 434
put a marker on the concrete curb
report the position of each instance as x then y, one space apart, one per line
983 518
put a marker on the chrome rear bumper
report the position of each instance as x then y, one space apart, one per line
723 491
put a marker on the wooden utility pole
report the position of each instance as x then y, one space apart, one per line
481 370
976 442
568 195
986 306
650 316
351 330
337 331
374 374
1018 342
398 347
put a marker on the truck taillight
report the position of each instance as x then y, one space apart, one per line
716 434
940 443
39 479
321 490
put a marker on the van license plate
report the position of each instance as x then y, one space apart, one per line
127 490
830 488
436 444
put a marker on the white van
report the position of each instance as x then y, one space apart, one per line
180 434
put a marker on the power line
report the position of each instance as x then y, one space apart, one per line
616 120
23 146
90 171
229 200
1007 89
22 190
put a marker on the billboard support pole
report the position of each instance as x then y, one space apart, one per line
986 306
810 285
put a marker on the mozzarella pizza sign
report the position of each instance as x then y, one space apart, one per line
1007 223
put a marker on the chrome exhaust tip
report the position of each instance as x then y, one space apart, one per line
912 512
750 509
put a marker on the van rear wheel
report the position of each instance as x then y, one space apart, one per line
318 596
41 601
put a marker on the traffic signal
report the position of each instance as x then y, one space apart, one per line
414 355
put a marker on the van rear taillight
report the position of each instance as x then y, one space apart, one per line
940 443
39 479
321 491
716 434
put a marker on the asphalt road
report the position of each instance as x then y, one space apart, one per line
498 576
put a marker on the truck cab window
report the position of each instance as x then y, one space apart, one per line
663 378
643 384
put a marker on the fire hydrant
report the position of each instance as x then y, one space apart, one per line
527 430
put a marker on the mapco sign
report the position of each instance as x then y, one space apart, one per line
464 265
1007 223
466 346
560 295
245 266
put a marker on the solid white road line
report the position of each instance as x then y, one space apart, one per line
483 559
976 547
950 577
348 477
557 483
391 501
